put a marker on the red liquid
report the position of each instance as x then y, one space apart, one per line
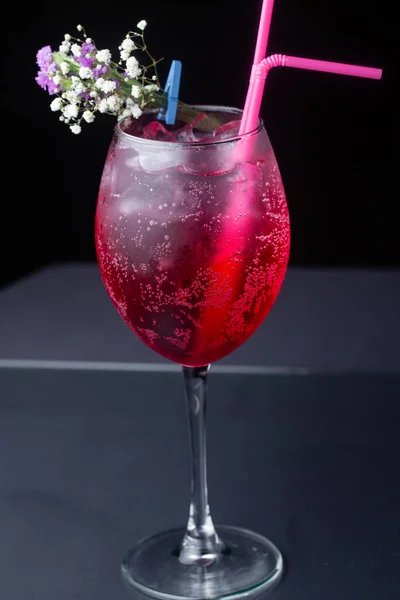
195 283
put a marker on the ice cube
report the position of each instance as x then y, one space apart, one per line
156 131
160 159
227 130
186 133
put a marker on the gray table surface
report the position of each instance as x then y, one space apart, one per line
90 462
323 319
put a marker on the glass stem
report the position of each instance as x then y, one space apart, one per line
200 545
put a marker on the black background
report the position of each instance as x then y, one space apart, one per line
334 136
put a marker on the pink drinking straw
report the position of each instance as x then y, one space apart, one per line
242 198
259 55
262 65
260 71
263 31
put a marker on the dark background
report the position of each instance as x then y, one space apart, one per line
334 136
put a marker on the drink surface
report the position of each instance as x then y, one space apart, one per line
192 243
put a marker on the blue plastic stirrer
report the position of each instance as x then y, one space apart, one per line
172 90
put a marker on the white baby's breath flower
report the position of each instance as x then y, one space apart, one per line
136 111
67 37
154 78
125 113
64 68
88 116
65 47
85 73
142 25
76 49
75 129
71 111
56 104
125 54
99 83
104 56
93 94
88 40
56 79
72 97
103 106
114 102
136 93
108 86
151 87
79 27
132 67
74 80
128 45
80 88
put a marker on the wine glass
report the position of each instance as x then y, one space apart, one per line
192 240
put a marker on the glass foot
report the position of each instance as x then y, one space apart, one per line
248 566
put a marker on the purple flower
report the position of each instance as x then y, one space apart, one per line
53 88
42 79
44 57
99 71
86 60
46 83
87 48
